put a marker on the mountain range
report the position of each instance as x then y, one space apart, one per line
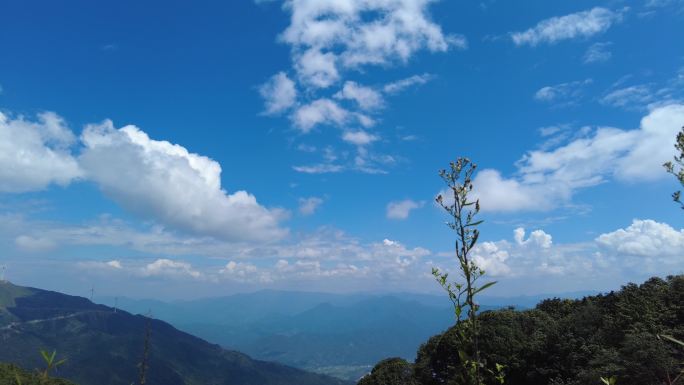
105 345
342 335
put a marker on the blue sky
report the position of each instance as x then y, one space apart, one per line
169 149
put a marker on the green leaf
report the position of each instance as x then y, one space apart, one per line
485 286
46 356
474 223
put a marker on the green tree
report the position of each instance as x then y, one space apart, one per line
576 342
392 371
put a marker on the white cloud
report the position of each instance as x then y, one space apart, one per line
548 178
538 238
575 25
305 258
497 193
644 248
320 111
329 259
155 179
530 256
400 85
113 265
240 270
644 238
402 209
563 93
168 268
35 154
359 138
279 93
321 168
316 68
598 53
308 206
327 36
332 40
492 259
365 97
165 182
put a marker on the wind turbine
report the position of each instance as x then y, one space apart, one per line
2 273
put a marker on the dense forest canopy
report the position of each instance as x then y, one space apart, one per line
565 342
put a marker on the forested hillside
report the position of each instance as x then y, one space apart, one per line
105 346
568 342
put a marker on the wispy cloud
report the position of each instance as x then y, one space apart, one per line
320 168
575 25
563 93
359 138
279 94
645 96
308 206
639 95
598 53
402 84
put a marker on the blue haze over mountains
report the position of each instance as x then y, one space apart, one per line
337 334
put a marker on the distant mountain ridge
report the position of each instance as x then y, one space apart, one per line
104 345
336 334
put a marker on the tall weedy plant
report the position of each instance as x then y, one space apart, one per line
462 212
676 168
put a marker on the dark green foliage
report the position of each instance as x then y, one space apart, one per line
10 373
392 371
104 347
575 342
